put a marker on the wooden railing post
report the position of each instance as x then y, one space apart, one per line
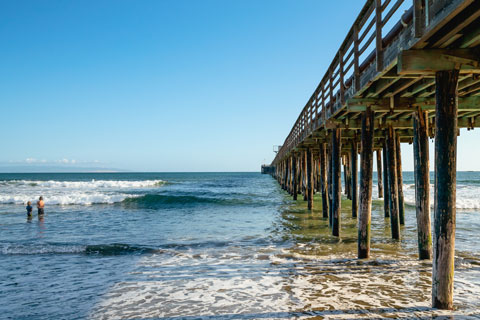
419 17
356 57
341 77
379 42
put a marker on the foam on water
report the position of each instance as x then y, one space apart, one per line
467 195
246 283
73 192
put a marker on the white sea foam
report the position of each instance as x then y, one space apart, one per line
467 195
73 192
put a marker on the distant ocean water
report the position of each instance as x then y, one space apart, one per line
210 246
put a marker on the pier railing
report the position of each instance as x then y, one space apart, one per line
343 76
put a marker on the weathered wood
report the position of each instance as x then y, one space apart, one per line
433 60
305 176
330 179
318 181
392 182
309 192
386 193
378 34
445 188
354 165
419 17
422 184
366 171
379 174
348 168
323 179
336 182
401 206
294 177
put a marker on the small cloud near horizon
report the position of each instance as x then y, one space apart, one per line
64 161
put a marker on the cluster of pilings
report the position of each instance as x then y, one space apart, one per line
317 168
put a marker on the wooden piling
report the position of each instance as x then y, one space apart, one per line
354 165
422 184
294 177
392 182
386 199
348 179
379 174
305 176
336 182
310 182
401 206
319 180
290 175
366 171
330 180
323 179
445 188
345 174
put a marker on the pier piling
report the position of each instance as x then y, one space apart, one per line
354 165
445 188
336 181
422 184
392 182
294 177
366 169
310 178
379 173
323 179
386 193
401 206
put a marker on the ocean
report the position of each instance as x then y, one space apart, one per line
213 246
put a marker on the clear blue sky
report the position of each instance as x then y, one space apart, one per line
164 85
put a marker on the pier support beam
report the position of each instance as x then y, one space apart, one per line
336 181
323 179
379 173
422 184
386 200
366 169
330 180
305 176
401 206
392 182
310 182
349 176
354 173
445 188
294 177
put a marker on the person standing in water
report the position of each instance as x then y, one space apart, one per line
40 206
29 209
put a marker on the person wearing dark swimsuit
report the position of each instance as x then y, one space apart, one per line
29 209
40 206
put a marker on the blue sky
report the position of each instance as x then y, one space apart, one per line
164 85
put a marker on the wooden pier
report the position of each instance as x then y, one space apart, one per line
416 80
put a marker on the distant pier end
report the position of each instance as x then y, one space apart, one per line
268 169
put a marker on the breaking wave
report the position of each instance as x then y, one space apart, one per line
74 192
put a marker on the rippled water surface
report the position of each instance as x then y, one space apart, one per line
212 246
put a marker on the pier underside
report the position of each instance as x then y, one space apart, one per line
421 80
